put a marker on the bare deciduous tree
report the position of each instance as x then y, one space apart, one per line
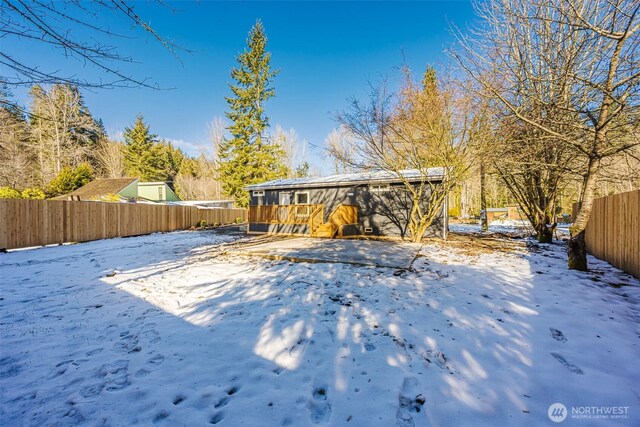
339 145
569 69
110 156
425 126
294 149
63 131
58 24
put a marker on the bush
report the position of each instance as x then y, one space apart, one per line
33 193
239 220
202 223
9 193
69 179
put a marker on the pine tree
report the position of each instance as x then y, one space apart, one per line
247 158
140 155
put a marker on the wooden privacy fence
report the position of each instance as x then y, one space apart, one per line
613 230
25 223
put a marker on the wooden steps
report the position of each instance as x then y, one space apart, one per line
326 230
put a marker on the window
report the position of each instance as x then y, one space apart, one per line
285 198
160 193
379 188
258 193
302 198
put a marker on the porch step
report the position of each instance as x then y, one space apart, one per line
327 230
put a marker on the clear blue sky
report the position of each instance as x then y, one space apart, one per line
326 53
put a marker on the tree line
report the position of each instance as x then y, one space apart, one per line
57 145
545 101
543 109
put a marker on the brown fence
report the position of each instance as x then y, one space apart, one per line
25 223
613 230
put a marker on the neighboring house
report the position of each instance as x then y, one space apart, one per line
157 192
360 204
105 189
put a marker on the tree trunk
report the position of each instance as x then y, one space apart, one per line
577 246
483 201
577 249
544 234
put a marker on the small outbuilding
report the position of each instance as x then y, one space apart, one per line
347 205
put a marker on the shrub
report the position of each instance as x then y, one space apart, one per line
69 179
202 223
33 193
9 193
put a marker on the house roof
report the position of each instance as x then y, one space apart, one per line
100 187
413 175
154 183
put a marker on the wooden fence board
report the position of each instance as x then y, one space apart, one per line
25 223
613 230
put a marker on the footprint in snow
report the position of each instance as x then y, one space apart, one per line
570 366
410 403
557 335
216 418
115 375
319 408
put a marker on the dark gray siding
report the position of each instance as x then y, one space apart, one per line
386 214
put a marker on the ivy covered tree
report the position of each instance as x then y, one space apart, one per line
247 157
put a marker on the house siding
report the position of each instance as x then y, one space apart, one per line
150 192
130 191
384 213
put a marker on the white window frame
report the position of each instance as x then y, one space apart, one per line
379 188
295 198
284 193
258 193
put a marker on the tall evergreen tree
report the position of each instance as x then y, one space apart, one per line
248 157
139 153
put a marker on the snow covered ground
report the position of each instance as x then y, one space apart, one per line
167 329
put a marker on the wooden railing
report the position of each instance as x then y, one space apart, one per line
343 215
282 214
316 219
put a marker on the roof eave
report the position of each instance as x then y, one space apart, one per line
435 178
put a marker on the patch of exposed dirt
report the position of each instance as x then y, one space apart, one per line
473 244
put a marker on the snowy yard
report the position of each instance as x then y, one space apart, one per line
169 329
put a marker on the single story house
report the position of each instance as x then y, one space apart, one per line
347 205
105 189
123 190
157 192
